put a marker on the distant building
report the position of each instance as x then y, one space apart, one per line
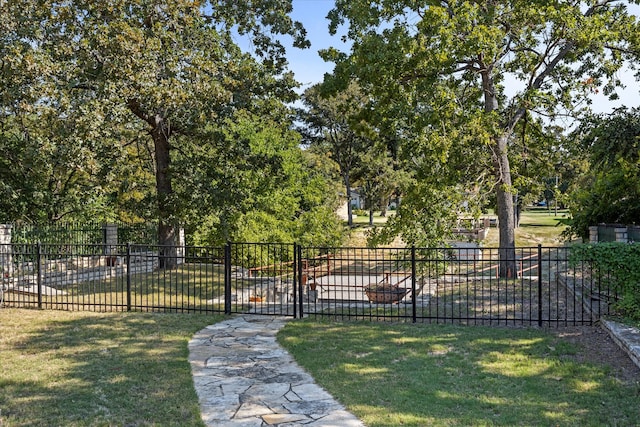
357 202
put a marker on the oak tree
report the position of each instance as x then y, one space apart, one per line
164 69
449 66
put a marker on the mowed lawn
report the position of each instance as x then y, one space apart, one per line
537 226
61 368
85 369
444 375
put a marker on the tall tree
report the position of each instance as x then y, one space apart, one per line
489 62
332 124
378 177
162 68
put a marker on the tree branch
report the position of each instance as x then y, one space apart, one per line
135 107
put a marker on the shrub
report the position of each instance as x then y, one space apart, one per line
617 266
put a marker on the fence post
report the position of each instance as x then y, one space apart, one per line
540 285
296 278
110 238
39 273
413 285
128 276
621 234
227 278
181 249
300 284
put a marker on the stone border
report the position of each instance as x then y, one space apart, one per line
627 337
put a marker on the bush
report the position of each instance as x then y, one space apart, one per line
617 266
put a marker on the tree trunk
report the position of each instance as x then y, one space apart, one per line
166 220
347 184
504 192
506 217
383 206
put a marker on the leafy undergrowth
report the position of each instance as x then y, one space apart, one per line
444 375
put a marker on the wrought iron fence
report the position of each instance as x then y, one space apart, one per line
463 285
60 233
71 233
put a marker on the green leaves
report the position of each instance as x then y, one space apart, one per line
256 184
446 71
616 270
127 91
609 189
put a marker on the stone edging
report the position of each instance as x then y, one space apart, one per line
627 337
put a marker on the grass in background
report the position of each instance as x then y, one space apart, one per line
363 220
444 375
188 287
537 226
83 368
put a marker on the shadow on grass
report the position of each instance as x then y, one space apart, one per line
77 369
446 375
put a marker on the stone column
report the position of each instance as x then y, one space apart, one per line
621 234
593 234
6 260
110 232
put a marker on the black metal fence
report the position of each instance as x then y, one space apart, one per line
71 233
455 285
445 285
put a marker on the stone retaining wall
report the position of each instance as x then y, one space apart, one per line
61 273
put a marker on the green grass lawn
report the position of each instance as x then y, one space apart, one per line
537 226
86 369
60 368
442 375
363 220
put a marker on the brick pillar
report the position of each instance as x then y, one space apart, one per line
621 234
6 261
593 234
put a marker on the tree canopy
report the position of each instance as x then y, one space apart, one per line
333 126
137 95
467 73
608 190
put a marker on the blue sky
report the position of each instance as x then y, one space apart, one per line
309 68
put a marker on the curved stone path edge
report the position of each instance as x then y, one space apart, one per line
244 378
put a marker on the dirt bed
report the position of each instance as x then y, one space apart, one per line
600 349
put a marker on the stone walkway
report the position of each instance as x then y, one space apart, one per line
244 378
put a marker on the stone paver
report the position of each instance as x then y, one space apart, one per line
244 378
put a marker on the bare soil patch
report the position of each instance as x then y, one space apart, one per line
600 349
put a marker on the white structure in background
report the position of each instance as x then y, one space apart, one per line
356 203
